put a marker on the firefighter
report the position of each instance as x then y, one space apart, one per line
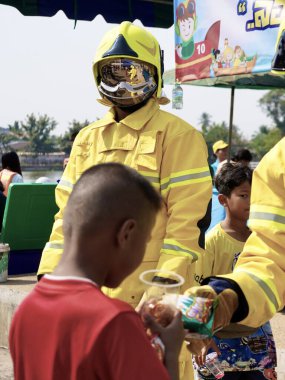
166 150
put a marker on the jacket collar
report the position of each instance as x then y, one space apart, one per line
135 120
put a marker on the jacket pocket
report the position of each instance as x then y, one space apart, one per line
83 157
148 153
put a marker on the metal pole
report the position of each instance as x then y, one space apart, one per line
231 122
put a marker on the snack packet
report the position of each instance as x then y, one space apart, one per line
197 315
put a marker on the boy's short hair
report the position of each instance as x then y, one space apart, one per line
230 176
107 194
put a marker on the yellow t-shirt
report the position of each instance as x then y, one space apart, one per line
220 255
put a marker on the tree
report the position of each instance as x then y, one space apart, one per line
5 140
273 103
67 139
264 140
216 132
213 132
37 131
205 122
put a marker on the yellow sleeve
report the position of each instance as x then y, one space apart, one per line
205 264
54 247
260 270
186 187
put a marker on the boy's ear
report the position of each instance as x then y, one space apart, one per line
125 232
223 200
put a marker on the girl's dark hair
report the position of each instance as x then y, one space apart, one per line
230 176
11 161
242 155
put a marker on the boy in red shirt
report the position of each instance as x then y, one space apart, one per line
67 328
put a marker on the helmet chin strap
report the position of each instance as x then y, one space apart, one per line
130 109
134 107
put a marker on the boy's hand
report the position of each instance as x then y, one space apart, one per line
172 335
197 346
200 358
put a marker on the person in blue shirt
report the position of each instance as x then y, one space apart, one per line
220 150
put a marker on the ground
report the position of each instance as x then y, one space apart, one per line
6 372
278 326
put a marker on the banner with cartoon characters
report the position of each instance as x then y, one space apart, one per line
225 37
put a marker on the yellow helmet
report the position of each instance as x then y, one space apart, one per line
130 41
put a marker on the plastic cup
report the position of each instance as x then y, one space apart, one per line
162 284
161 294
160 299
4 258
214 366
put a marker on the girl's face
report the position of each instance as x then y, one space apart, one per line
186 28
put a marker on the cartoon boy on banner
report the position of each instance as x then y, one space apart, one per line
185 26
225 37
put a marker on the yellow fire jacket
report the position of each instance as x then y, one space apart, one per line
260 270
173 156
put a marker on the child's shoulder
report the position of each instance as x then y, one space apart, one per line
215 233
118 306
103 303
215 239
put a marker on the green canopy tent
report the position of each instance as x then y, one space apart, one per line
152 13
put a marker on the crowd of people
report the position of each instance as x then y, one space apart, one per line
137 194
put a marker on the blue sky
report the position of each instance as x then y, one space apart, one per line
46 67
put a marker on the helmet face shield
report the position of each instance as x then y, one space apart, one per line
126 82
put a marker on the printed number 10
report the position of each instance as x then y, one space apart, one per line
201 48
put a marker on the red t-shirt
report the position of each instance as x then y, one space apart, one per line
68 329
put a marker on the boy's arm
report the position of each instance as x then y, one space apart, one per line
186 187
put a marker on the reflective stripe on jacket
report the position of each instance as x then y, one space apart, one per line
6 177
260 270
172 155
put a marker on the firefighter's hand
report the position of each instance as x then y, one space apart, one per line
227 304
